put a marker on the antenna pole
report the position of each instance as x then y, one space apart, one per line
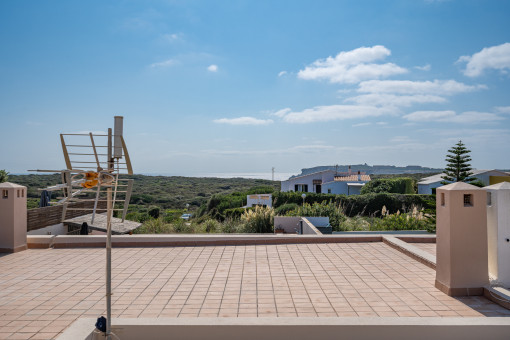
109 243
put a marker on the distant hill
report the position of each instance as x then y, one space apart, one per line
372 169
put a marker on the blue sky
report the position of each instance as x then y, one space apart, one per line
242 86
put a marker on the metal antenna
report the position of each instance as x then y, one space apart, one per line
93 166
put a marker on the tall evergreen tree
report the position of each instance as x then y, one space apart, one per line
4 176
458 168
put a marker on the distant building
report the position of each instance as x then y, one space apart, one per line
264 200
346 184
428 185
311 182
327 181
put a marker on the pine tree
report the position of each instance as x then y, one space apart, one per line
458 168
4 176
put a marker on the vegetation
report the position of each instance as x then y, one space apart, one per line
165 192
217 205
398 185
325 209
258 220
364 205
458 168
4 176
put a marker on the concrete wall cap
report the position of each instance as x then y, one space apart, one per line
10 185
499 186
459 186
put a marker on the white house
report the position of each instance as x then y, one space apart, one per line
346 185
308 183
265 200
428 185
327 182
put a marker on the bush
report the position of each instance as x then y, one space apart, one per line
154 212
331 210
362 205
399 185
258 220
210 226
235 213
285 209
232 226
154 226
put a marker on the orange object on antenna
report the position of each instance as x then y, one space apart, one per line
90 180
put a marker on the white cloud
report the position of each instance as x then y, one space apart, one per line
282 112
334 112
495 57
383 99
401 139
243 121
166 63
449 116
503 109
352 66
172 37
212 68
282 73
425 67
361 124
436 87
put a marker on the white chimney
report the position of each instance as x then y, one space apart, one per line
117 132
359 176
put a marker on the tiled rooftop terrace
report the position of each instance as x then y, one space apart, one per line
42 291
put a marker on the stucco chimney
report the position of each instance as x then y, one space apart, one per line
359 176
13 217
349 169
462 255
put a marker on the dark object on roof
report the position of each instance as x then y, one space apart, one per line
45 199
84 229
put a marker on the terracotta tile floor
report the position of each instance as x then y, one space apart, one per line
43 291
428 247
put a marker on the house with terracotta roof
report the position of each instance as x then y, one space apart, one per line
349 184
327 182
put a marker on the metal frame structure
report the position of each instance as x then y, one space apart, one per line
90 171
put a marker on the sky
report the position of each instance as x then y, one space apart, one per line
210 87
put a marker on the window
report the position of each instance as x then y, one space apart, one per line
329 191
468 200
301 187
489 199
442 199
433 191
5 194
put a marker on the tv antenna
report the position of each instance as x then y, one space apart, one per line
94 163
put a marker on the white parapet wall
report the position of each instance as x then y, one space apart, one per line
498 233
300 328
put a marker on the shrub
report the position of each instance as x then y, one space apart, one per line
331 210
258 220
211 226
362 205
235 213
285 209
232 226
154 212
399 185
154 226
